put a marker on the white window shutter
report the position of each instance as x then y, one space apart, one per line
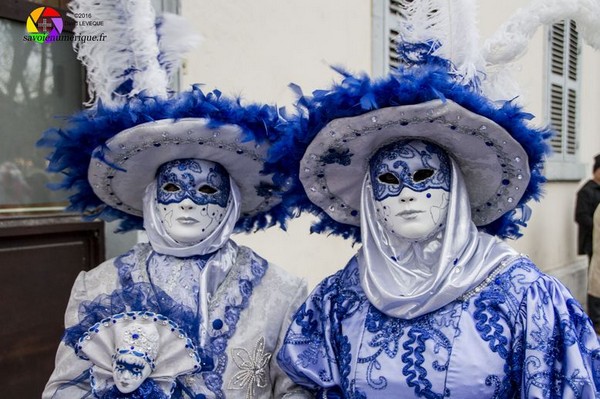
562 87
563 60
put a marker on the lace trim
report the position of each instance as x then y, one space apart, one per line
490 278
253 369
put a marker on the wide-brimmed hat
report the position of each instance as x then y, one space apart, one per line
110 155
496 148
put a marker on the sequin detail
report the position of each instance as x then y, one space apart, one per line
253 369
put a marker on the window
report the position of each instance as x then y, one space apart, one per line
564 48
563 82
386 17
171 6
38 83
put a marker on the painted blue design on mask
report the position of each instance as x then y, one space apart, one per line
415 164
203 182
134 368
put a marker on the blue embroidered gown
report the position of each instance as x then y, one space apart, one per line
519 334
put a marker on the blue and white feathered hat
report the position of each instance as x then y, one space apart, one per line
440 94
110 152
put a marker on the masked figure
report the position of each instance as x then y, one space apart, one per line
430 175
190 182
189 169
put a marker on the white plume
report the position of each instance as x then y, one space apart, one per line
511 40
129 60
176 36
452 23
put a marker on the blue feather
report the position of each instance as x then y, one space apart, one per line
87 132
423 77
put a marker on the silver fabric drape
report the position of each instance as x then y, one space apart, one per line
407 278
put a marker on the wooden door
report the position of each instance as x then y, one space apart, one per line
40 257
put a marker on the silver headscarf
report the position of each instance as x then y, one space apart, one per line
163 243
217 267
407 278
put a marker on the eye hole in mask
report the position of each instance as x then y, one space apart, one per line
422 174
170 187
388 178
206 189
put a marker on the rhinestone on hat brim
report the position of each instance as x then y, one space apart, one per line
363 131
181 137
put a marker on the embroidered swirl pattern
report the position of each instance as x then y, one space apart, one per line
522 335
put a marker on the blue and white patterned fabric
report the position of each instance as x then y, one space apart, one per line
459 314
519 334
237 324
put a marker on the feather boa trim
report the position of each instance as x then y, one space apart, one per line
72 147
430 78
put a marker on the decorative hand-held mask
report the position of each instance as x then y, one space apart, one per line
129 372
133 360
411 186
192 197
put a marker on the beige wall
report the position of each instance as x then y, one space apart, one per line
255 48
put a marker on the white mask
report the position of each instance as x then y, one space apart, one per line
191 198
411 188
129 372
